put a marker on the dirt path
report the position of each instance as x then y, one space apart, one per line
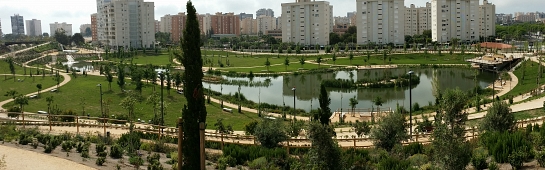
20 159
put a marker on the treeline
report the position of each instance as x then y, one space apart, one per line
398 81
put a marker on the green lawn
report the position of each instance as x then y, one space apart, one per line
528 83
404 59
69 98
238 60
162 58
277 68
4 68
25 87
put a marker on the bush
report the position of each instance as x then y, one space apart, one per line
492 165
116 151
413 148
146 147
502 144
100 148
258 163
155 166
67 146
79 147
100 161
153 158
130 140
516 159
540 156
227 160
390 163
418 160
136 161
270 132
479 158
48 148
243 154
249 128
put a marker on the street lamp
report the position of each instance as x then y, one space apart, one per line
493 85
162 77
101 110
294 108
410 103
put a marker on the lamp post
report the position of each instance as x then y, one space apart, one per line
294 108
410 104
101 110
162 77
494 85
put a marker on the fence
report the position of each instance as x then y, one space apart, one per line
297 142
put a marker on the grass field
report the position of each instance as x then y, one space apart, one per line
162 58
69 97
25 87
527 83
4 68
404 59
518 116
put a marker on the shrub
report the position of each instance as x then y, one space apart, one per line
479 158
131 141
25 139
100 161
258 163
153 158
390 163
249 128
413 148
100 148
146 147
501 144
418 160
492 165
270 132
85 150
48 148
155 166
540 156
79 147
136 161
116 151
67 146
249 153
516 159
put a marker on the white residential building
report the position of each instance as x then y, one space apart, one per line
205 23
54 27
267 12
265 23
307 22
487 19
33 27
417 19
166 24
455 19
248 26
380 21
124 23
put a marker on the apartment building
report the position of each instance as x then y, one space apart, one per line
178 26
265 23
307 22
33 27
126 23
455 19
1 34
245 15
157 26
504 18
525 17
380 21
248 26
94 28
205 23
487 19
417 19
227 23
17 25
54 27
264 12
166 23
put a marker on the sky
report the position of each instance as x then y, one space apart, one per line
77 12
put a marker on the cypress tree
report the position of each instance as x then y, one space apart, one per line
195 111
324 112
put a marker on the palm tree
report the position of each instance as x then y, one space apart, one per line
353 103
11 93
302 61
378 102
267 64
39 86
22 101
319 60
49 101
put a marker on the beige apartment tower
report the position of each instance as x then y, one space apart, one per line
380 22
33 27
307 22
487 20
455 19
417 19
126 23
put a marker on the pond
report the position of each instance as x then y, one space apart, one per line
308 87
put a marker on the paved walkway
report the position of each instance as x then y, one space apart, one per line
20 51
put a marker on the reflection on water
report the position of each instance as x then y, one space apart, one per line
308 87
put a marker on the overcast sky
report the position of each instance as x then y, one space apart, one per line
77 12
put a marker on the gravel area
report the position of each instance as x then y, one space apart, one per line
20 159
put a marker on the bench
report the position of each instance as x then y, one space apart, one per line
53 90
32 96
228 110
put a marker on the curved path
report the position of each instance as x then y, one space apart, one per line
23 50
21 159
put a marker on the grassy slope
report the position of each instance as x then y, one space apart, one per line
25 87
527 84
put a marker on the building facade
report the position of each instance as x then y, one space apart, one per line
166 23
157 26
178 26
205 23
417 19
525 17
307 22
33 27
245 15
1 34
83 28
264 12
227 23
17 25
94 28
126 23
380 22
487 19
455 19
54 27
265 23
248 26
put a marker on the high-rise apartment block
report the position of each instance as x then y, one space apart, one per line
265 23
248 26
245 15
126 23
227 23
504 18
381 21
525 17
307 22
487 19
417 19
54 27
166 23
205 23
157 26
17 25
178 26
455 19
94 28
267 12
33 27
1 28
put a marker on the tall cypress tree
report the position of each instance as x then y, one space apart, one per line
324 112
195 111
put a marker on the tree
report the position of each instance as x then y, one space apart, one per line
21 100
121 76
57 78
61 37
319 60
324 112
129 103
88 32
302 61
109 76
169 82
378 102
390 131
286 63
324 153
11 63
449 133
267 64
270 133
39 86
195 111
353 102
78 39
155 101
351 57
136 78
498 118
334 58
11 93
361 128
